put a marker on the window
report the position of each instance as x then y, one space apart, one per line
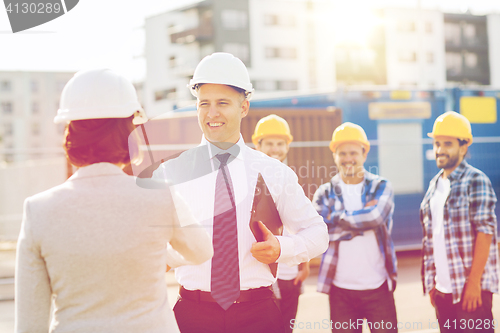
8 129
6 107
428 27
171 62
470 60
5 86
270 19
452 33
35 108
406 26
281 52
234 19
9 157
34 86
469 31
35 129
430 57
265 85
279 20
453 63
165 94
287 85
238 50
407 56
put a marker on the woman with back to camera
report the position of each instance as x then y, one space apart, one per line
97 244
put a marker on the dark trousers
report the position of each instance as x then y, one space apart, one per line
348 308
289 301
262 316
452 318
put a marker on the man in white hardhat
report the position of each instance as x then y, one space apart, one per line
272 136
232 292
460 252
358 271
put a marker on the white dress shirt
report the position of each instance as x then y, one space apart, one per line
308 238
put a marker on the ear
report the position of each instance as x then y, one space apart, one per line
463 150
245 107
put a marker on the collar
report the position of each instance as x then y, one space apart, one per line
459 171
368 177
96 170
235 150
454 176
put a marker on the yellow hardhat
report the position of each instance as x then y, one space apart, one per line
272 125
452 124
349 132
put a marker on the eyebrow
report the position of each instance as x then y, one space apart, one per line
217 100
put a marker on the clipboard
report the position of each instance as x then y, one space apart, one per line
264 210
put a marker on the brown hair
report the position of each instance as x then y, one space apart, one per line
92 141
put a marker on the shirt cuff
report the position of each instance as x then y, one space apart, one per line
286 249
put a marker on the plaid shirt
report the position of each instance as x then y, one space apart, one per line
469 209
343 225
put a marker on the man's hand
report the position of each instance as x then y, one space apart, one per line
432 293
303 273
471 296
269 250
371 203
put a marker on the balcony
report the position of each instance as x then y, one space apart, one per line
203 33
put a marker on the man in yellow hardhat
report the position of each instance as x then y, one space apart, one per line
459 266
272 137
358 271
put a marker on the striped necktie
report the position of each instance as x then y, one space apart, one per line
225 283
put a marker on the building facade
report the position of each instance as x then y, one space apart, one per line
279 41
28 104
307 45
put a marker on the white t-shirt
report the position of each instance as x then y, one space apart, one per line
443 281
361 265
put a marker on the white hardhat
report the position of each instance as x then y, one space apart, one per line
221 68
97 94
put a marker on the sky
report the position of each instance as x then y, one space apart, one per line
109 33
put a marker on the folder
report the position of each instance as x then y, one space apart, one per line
264 210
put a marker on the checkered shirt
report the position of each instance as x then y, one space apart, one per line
343 225
469 209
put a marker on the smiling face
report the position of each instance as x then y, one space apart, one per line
220 110
449 153
350 158
274 146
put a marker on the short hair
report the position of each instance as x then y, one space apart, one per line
92 141
462 142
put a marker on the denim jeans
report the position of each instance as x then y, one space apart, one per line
348 308
452 318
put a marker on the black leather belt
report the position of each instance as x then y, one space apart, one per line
245 295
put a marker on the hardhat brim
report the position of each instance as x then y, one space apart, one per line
192 87
469 140
333 145
122 111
